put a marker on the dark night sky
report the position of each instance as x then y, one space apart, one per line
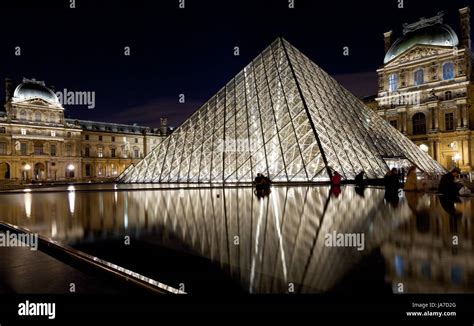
190 51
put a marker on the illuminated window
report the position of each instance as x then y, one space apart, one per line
100 151
53 133
23 131
392 82
99 169
448 71
419 77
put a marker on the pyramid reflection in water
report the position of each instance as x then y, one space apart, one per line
283 116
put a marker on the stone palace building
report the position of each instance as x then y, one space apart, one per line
426 88
38 143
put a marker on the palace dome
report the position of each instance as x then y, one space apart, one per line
31 89
434 35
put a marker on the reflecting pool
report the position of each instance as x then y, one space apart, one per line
304 239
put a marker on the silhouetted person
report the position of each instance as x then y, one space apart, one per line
261 182
447 185
359 179
392 184
258 179
336 179
391 180
266 180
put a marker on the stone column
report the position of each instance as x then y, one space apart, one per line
433 118
404 122
436 118
431 148
459 116
465 123
465 152
436 150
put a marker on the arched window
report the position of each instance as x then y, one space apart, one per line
38 116
22 115
448 71
419 124
392 83
419 78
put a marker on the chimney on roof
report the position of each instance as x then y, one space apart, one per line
464 17
163 126
387 36
8 89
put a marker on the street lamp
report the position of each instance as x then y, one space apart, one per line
424 148
70 171
456 159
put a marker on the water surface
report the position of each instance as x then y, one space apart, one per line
230 240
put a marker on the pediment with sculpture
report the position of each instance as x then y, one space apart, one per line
418 52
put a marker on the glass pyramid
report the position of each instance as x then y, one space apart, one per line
285 117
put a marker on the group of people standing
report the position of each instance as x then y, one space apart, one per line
393 181
262 185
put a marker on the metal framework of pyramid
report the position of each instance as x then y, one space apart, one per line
285 117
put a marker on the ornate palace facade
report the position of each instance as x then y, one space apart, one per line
426 88
38 143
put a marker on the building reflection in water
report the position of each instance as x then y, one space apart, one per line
272 243
432 252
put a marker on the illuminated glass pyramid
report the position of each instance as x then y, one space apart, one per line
285 117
